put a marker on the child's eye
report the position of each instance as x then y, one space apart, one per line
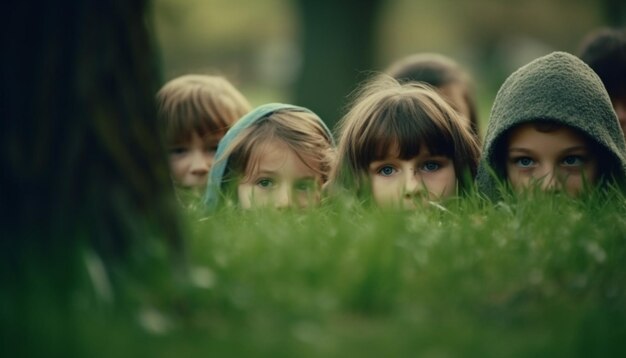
265 183
211 149
524 162
386 170
305 185
178 150
431 166
572 161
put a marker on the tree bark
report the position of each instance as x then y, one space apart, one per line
338 39
82 163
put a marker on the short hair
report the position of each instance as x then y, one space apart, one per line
438 71
386 115
604 50
198 103
302 132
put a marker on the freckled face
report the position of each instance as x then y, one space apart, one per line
560 159
401 183
282 180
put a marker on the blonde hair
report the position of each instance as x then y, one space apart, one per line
302 132
201 103
387 115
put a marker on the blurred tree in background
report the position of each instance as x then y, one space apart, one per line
82 163
338 46
314 53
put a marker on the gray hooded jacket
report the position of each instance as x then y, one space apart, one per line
560 88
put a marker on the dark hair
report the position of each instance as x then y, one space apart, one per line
388 115
438 71
604 50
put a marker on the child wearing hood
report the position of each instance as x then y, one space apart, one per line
552 127
278 155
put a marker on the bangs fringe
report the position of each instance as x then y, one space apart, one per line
191 117
401 130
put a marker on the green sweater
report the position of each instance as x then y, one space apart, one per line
561 88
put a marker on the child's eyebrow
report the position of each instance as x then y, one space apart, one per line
576 148
212 140
375 163
437 156
523 150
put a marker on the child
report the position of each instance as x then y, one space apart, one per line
401 144
552 124
277 155
448 78
604 51
194 113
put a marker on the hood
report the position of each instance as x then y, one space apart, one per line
560 88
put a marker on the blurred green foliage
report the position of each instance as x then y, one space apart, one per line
539 277
258 45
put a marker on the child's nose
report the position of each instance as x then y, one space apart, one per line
282 200
412 185
199 164
549 181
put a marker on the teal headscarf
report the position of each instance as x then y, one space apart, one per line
213 192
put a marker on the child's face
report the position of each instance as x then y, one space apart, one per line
560 159
191 161
402 183
281 180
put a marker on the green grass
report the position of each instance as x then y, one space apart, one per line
525 278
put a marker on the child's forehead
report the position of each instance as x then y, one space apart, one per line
542 135
275 155
275 148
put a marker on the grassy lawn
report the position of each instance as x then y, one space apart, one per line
522 278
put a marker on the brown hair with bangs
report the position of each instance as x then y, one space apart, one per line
387 116
208 105
301 131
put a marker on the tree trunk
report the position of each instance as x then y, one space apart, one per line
338 48
614 12
82 163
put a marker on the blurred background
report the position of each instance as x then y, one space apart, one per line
315 52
